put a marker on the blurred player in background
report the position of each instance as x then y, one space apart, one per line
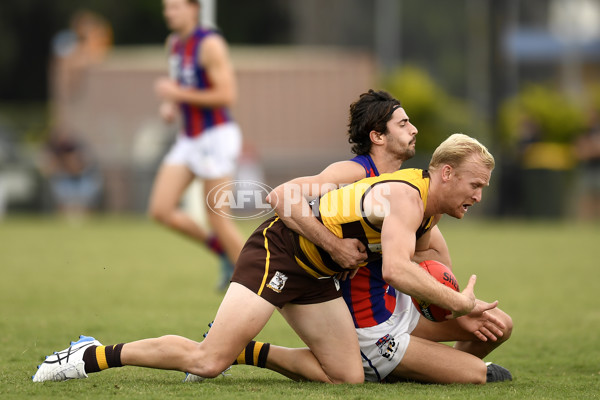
201 88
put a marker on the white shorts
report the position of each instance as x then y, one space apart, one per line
211 155
382 346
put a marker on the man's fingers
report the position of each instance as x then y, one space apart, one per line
489 306
471 283
488 334
361 247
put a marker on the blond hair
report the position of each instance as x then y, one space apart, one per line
457 148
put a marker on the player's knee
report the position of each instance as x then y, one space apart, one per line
159 214
508 323
354 376
210 368
201 363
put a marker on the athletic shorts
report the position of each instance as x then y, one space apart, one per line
382 346
211 155
268 267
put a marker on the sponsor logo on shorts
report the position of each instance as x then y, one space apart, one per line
277 282
387 346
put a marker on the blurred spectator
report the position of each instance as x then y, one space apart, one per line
75 181
75 50
74 178
587 148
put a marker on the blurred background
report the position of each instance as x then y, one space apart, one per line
523 76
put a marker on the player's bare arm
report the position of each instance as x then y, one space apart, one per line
432 246
222 93
167 109
403 217
291 202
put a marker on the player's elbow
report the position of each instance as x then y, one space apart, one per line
229 100
389 274
228 97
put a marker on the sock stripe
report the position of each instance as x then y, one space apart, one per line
101 357
256 353
241 359
250 353
262 355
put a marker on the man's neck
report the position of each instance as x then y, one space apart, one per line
432 196
386 163
186 31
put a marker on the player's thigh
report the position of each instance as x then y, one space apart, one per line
170 183
328 331
240 317
427 361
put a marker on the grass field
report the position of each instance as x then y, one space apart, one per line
121 279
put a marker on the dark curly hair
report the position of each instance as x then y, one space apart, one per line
370 112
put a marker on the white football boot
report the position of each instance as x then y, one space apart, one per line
66 364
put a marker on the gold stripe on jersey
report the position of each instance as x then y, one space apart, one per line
267 258
341 211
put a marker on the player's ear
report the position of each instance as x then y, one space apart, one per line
376 137
447 172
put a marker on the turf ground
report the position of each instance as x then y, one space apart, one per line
121 279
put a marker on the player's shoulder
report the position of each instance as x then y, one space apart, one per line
344 171
211 37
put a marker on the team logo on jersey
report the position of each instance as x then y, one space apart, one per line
277 282
387 346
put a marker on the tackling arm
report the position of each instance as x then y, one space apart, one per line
291 202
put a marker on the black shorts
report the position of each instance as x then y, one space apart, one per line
267 266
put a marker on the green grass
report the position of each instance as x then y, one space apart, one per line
122 279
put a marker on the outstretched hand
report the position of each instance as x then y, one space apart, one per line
481 323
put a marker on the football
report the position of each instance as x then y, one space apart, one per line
445 276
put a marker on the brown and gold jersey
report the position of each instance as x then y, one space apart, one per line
342 212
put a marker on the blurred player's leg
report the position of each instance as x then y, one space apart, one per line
225 228
226 232
169 186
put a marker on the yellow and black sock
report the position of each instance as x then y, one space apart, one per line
98 358
255 354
